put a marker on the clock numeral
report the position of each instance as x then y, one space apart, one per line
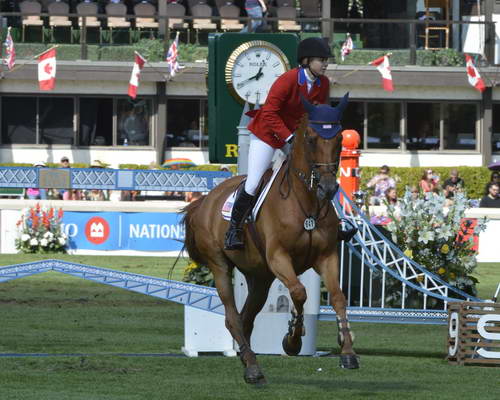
276 64
237 75
268 55
240 65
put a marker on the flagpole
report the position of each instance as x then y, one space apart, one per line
164 76
358 69
19 66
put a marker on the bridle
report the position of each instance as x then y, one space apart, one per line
310 181
313 177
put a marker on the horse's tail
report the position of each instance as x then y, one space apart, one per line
187 220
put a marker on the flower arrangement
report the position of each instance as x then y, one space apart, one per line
198 274
437 236
40 231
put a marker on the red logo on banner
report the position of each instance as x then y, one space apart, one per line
97 230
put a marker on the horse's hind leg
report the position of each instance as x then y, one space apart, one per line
328 268
258 289
223 281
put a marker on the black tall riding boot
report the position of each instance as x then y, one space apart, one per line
234 235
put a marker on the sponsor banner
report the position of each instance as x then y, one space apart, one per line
123 231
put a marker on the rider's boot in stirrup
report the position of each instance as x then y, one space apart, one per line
234 235
348 234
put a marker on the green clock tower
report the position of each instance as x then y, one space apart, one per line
241 68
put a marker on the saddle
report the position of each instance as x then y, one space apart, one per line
262 191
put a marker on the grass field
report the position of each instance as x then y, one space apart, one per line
107 343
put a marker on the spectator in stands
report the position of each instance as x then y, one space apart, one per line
381 183
36 193
494 178
429 181
492 199
454 180
72 194
254 9
391 197
414 192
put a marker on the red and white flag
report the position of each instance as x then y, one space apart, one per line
10 51
136 74
47 70
347 47
473 74
383 66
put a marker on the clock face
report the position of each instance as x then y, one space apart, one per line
252 68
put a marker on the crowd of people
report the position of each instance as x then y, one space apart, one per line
382 187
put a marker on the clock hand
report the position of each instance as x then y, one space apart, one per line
256 77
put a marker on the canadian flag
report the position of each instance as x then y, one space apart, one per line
47 70
473 74
136 73
383 66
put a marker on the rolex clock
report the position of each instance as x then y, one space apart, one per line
242 67
252 68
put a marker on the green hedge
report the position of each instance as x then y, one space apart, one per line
475 178
153 50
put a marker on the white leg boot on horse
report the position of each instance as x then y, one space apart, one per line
328 268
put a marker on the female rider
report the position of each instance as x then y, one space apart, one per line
274 124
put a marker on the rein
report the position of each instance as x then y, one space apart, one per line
309 182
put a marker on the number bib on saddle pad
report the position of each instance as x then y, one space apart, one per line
227 208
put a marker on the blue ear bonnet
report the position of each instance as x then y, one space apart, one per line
324 119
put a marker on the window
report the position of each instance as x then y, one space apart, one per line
96 122
459 126
186 123
353 118
19 120
133 120
422 126
383 125
55 120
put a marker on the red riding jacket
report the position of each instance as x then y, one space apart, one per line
280 115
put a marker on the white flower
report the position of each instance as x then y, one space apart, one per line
49 235
44 242
425 236
62 241
25 237
33 242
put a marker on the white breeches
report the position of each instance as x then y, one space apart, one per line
260 156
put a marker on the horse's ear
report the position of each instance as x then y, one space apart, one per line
307 105
343 103
302 128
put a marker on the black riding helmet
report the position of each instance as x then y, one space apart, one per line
313 47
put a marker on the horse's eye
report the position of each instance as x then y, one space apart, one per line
311 140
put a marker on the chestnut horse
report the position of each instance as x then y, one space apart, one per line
302 191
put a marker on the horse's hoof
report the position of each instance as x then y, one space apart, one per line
254 376
348 361
292 349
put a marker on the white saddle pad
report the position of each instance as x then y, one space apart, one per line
227 208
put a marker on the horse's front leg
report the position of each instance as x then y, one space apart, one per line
328 268
281 265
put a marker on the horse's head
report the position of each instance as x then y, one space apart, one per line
322 144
